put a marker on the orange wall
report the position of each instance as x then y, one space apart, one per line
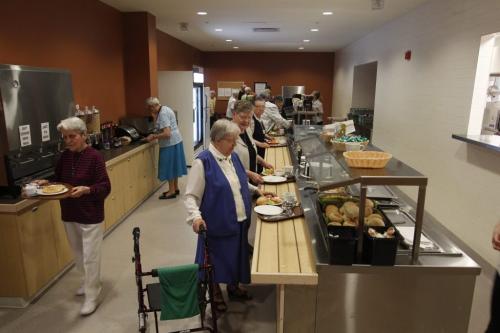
82 36
175 55
312 70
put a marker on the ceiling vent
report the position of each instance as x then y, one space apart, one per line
183 26
377 4
266 29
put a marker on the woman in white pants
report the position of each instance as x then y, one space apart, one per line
83 211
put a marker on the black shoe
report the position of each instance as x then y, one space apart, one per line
165 196
238 294
177 192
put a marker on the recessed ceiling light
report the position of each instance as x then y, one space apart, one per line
306 40
314 30
202 13
301 48
229 40
218 29
236 47
327 13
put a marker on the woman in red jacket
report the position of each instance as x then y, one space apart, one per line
82 212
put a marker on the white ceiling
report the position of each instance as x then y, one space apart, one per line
351 20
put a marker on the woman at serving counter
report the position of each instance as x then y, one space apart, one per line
494 325
218 197
245 146
257 129
172 162
83 211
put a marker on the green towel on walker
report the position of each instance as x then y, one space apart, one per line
179 292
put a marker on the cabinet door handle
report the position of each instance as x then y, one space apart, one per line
34 209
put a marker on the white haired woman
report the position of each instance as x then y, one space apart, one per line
246 148
218 197
172 162
83 211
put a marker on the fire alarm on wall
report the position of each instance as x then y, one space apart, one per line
408 55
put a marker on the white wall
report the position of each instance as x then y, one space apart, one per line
420 103
364 85
175 89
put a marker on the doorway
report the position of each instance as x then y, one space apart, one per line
363 98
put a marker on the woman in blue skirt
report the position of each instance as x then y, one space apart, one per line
172 162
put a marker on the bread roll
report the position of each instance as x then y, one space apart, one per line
374 222
369 203
335 217
351 209
331 209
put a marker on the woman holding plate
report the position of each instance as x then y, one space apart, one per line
82 212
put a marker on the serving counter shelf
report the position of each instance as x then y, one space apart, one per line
426 293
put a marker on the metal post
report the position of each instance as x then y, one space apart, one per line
419 221
361 220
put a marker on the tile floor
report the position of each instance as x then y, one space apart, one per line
165 240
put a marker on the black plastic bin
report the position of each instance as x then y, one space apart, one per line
342 242
380 251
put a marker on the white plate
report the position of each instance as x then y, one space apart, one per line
40 192
268 210
274 179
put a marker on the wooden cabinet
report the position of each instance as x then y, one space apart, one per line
38 246
114 207
63 250
33 243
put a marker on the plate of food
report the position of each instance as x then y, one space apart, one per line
269 200
52 189
268 210
274 179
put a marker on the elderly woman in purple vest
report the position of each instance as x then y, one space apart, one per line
218 197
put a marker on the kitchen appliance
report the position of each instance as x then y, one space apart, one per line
32 102
491 118
363 121
124 130
288 91
143 125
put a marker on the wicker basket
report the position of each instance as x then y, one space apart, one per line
367 159
340 146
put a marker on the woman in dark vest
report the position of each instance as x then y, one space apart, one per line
257 129
218 197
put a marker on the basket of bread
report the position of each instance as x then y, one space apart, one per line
367 159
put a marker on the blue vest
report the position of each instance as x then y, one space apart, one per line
218 207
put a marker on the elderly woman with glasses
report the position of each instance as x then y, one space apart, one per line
82 167
245 145
218 197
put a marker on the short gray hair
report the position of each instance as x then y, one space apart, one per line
265 96
222 128
72 124
243 106
152 101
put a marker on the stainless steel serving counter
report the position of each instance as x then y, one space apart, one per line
434 294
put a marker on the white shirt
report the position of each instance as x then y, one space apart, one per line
272 118
230 107
242 150
195 186
317 106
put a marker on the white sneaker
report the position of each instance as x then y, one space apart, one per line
80 291
88 307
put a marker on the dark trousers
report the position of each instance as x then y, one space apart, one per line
494 326
212 121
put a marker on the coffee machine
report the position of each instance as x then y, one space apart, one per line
32 102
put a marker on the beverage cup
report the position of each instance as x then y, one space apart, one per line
288 170
354 146
30 190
